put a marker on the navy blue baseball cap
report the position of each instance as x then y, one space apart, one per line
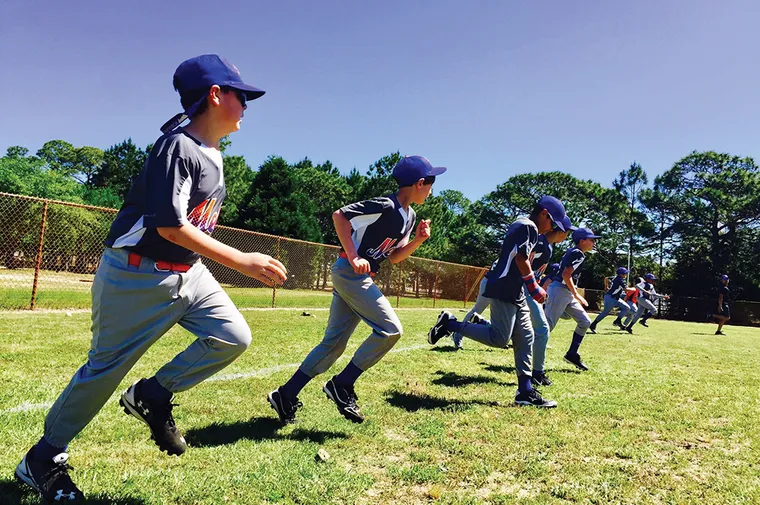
411 169
568 224
622 270
584 233
196 75
650 277
556 211
724 277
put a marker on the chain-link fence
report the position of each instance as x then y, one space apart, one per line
49 252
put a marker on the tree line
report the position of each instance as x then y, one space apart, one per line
697 220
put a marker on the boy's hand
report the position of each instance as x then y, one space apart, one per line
360 265
264 268
582 300
423 230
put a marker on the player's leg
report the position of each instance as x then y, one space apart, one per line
637 315
577 312
723 318
557 299
131 309
609 304
481 304
365 299
632 309
516 320
623 312
649 311
540 340
340 326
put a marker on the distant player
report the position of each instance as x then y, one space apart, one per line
370 232
150 278
632 300
614 298
724 310
563 295
510 315
647 296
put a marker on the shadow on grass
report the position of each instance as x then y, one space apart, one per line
454 380
12 491
565 370
258 428
414 402
444 348
497 368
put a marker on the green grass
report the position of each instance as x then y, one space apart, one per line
668 415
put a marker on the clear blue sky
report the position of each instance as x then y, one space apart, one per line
486 88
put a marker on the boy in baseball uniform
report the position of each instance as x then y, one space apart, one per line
150 278
370 232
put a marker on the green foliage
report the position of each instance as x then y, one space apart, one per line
238 179
121 164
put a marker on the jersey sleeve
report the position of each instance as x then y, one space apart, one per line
168 186
525 238
364 213
410 225
572 258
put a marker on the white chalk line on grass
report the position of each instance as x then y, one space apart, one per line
261 372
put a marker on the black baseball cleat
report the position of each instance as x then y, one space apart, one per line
617 323
439 329
157 415
478 319
540 379
345 400
50 478
592 329
576 360
643 323
285 408
629 328
719 333
533 398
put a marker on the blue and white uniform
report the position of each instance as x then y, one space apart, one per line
510 315
614 297
146 284
379 227
561 300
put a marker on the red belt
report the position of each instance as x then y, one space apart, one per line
344 255
164 266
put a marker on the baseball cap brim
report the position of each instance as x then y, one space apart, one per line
251 93
437 171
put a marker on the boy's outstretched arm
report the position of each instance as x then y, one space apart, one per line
420 235
260 266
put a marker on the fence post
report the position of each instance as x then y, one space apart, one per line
435 283
398 288
274 286
38 262
464 291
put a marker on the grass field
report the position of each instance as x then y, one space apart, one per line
666 416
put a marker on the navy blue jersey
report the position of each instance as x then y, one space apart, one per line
617 288
572 258
380 226
723 290
542 255
182 183
551 273
505 280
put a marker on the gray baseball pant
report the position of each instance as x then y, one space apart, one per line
132 307
356 297
632 308
644 305
559 300
481 304
609 304
508 321
540 330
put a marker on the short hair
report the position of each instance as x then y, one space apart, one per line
192 97
427 181
536 210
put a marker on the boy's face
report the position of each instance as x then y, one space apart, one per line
624 276
545 223
556 236
227 108
586 244
421 191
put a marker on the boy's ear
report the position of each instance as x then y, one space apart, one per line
214 93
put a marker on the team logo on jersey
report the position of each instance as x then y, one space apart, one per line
203 216
382 250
